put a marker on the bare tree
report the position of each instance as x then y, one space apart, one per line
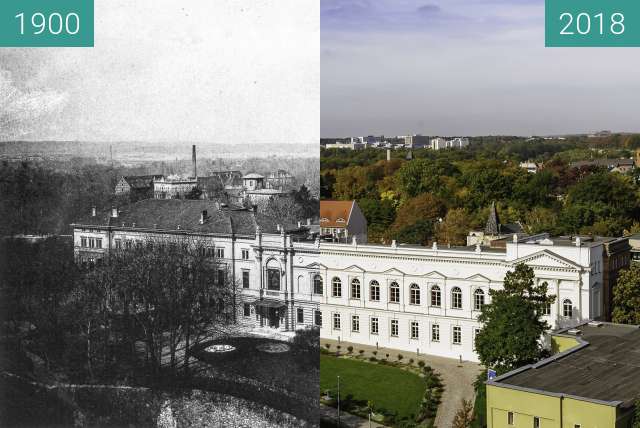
464 415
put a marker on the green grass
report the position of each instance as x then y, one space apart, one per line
390 388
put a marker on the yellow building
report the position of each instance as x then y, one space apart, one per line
592 381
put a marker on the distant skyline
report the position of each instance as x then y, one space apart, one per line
465 67
227 71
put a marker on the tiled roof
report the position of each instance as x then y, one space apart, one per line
335 213
168 214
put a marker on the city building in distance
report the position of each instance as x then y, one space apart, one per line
592 381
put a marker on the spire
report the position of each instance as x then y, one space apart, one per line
493 222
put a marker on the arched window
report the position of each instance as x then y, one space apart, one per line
394 292
317 284
567 308
456 298
374 291
478 299
336 290
436 297
414 297
355 288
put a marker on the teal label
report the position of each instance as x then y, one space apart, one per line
592 23
46 23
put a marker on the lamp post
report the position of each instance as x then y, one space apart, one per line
338 401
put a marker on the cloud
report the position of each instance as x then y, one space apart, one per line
429 9
24 110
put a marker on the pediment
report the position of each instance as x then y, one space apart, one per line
393 271
315 265
354 268
478 277
547 259
434 274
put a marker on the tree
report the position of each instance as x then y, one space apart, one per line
284 209
464 415
417 213
455 227
626 296
636 415
512 322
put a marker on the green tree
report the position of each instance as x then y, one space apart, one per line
464 415
626 296
512 322
455 227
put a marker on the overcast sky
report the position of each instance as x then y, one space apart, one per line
465 67
163 70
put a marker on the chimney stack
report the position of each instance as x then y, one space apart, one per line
193 161
93 211
114 212
203 216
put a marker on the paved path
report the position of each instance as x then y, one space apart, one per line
347 420
457 377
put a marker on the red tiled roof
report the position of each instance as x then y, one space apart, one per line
335 213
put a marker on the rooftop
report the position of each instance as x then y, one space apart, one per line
604 367
335 213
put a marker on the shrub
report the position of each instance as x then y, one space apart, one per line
387 355
410 360
421 363
327 345
375 352
350 348
373 359
400 357
361 351
339 347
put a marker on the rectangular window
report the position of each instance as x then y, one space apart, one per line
247 310
128 244
510 418
318 318
546 310
118 243
245 254
220 253
83 241
475 334
435 333
374 325
245 279
336 321
98 243
457 335
536 422
300 315
273 279
394 328
92 243
336 287
221 276
415 330
355 323
375 292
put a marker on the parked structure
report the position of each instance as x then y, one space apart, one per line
342 221
591 382
427 300
275 269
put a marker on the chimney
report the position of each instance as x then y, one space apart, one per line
93 211
308 222
203 216
193 160
114 212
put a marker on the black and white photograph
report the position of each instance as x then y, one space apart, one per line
159 250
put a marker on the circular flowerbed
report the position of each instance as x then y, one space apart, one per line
218 348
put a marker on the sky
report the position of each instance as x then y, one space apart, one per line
465 67
228 71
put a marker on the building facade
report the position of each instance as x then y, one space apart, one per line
273 270
427 300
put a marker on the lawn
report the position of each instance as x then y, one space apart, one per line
389 388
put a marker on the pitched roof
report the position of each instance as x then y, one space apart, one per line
253 175
335 213
168 214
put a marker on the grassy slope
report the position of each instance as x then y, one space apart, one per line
388 387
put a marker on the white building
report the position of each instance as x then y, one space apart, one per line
273 270
438 143
427 300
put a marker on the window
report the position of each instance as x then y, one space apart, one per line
546 309
245 279
394 293
414 297
92 243
355 323
475 334
374 291
336 287
247 310
221 276
457 335
273 279
83 241
317 284
478 299
567 308
374 325
415 330
98 243
435 333
300 315
355 288
245 254
435 296
118 244
456 298
536 422
128 244
394 328
336 321
510 418
318 318
220 253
